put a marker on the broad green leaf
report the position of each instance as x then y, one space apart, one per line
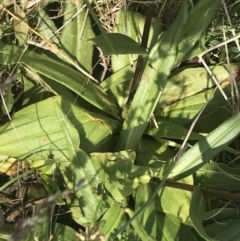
197 210
227 230
89 202
156 155
63 232
119 175
218 215
132 24
125 73
170 228
169 130
138 228
46 27
77 168
207 148
197 23
218 175
94 129
152 84
53 87
35 89
66 127
184 111
37 133
122 44
76 33
61 73
146 219
111 219
175 201
195 80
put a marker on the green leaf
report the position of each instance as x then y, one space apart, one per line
175 201
207 148
198 21
184 111
75 34
21 30
197 210
170 228
126 73
81 167
218 175
111 219
169 130
218 215
227 230
122 44
131 24
118 174
91 204
99 24
191 81
152 84
60 73
61 232
37 133
146 219
155 154
46 27
94 129
138 228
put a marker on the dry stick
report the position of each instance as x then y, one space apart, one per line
220 45
200 56
66 57
104 64
213 77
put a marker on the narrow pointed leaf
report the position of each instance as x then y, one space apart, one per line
122 44
197 211
60 73
198 21
76 33
207 148
152 84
